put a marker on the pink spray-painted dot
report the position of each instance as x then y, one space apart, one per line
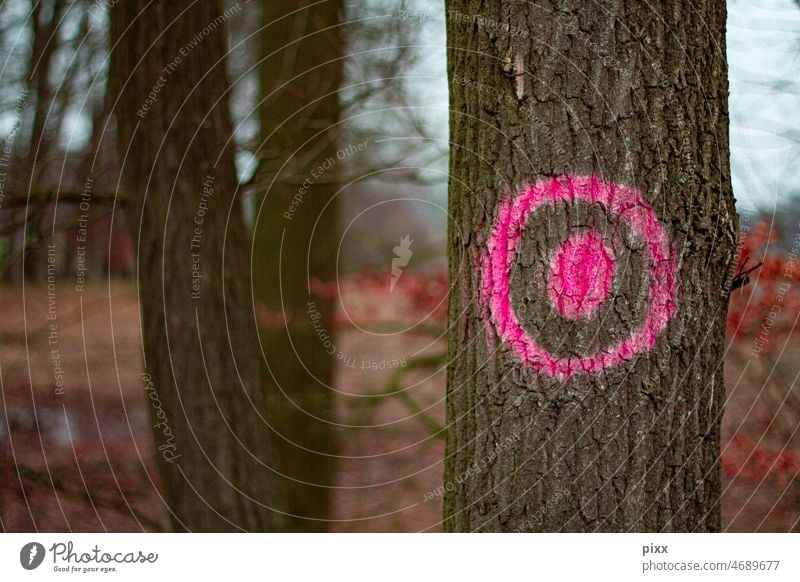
581 275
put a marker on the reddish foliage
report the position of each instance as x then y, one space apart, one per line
766 307
421 296
761 317
743 458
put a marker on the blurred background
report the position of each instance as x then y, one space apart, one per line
76 448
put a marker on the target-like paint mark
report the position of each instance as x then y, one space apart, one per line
581 272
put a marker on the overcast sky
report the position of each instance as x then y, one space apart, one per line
764 61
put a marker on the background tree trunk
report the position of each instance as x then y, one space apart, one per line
200 338
295 244
45 17
635 94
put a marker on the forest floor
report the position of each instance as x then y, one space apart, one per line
75 444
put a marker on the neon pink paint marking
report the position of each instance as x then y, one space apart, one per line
581 274
496 265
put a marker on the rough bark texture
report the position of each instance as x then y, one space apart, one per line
200 338
636 94
295 244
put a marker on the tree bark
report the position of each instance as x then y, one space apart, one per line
295 242
203 369
44 50
591 400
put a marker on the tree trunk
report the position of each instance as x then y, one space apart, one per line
203 374
44 50
591 243
295 244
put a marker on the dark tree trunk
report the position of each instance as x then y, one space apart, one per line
44 49
296 241
205 382
587 313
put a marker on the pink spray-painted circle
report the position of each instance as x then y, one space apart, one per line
581 275
582 297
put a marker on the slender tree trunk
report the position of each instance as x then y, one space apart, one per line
591 243
44 49
296 241
204 378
